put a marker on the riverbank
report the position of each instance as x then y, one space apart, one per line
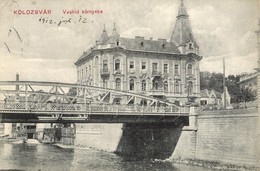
197 163
10 140
214 165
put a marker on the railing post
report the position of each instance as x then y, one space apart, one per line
26 97
89 108
56 98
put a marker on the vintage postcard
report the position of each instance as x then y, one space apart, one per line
129 84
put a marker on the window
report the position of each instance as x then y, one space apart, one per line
117 64
142 43
131 66
189 69
154 67
163 45
86 71
143 65
165 68
143 85
105 66
118 84
176 69
89 69
177 87
165 86
131 84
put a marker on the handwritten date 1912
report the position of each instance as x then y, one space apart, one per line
46 20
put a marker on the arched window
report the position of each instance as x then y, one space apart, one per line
117 64
177 87
131 84
190 88
118 84
190 69
190 46
155 84
165 86
143 85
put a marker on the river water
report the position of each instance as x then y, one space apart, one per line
41 157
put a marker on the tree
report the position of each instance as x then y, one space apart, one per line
214 81
232 82
247 94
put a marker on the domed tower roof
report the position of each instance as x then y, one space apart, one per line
114 36
104 37
182 33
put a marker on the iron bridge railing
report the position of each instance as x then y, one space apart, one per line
88 108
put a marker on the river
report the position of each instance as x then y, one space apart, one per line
41 157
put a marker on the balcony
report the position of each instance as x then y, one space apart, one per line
104 73
131 71
156 73
118 72
190 76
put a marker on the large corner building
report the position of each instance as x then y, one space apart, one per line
158 68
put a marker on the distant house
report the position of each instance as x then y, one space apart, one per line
213 97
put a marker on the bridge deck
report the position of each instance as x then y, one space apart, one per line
28 102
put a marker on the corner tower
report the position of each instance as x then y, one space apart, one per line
182 34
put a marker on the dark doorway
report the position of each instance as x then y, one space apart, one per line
29 135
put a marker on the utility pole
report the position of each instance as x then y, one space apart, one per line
224 85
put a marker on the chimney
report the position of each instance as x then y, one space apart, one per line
17 79
139 38
162 40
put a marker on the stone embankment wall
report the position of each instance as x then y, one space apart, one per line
230 137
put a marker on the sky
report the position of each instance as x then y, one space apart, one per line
46 52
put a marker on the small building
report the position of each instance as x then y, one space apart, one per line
214 98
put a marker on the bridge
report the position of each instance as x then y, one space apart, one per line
55 102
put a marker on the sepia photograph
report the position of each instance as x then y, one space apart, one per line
129 85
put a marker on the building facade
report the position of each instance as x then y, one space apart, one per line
249 81
163 69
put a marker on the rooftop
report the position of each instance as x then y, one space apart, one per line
134 44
